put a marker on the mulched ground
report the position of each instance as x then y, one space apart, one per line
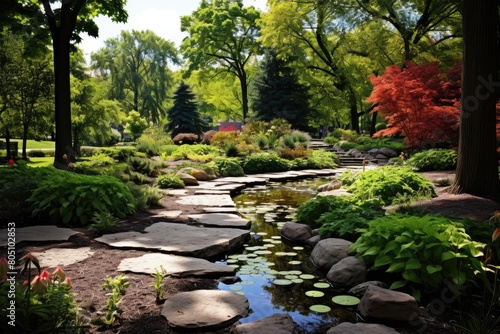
141 312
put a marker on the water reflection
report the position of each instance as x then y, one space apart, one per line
276 276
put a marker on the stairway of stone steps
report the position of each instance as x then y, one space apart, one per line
344 159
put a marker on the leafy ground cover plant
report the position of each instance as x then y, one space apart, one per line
389 182
159 277
226 166
435 159
103 222
115 288
424 251
264 163
73 198
170 181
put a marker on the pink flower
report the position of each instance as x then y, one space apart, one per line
4 279
4 266
59 274
40 283
496 234
67 282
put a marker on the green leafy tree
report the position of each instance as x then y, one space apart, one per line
137 63
136 124
280 95
223 36
65 20
184 117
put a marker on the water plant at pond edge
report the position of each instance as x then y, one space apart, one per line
339 216
423 251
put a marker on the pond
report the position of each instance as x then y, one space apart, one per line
278 277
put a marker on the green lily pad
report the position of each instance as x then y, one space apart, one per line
320 308
276 237
276 242
291 254
298 248
247 282
321 285
297 280
261 233
236 287
230 261
345 300
291 277
295 262
295 272
233 265
307 276
280 253
256 275
263 252
282 282
314 293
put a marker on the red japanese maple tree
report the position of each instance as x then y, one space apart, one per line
421 102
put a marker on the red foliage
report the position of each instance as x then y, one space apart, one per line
420 101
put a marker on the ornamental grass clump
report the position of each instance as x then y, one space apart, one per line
424 252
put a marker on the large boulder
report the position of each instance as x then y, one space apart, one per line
275 324
388 152
334 185
360 289
361 328
296 232
387 305
188 179
347 272
329 251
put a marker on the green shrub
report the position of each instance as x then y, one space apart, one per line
287 141
103 222
186 139
293 153
261 141
222 138
347 145
300 137
387 183
380 126
36 154
72 198
232 150
331 140
435 159
143 165
264 163
145 196
151 141
310 211
346 215
425 251
170 181
320 159
120 154
226 166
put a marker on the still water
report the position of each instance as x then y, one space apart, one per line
278 277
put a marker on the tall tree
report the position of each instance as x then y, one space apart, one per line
65 20
137 63
184 117
477 165
222 35
279 93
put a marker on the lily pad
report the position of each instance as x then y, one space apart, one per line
261 233
295 272
314 293
263 252
307 276
282 282
276 237
295 262
320 308
236 287
345 300
247 282
321 285
298 248
297 280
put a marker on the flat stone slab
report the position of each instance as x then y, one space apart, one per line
248 180
168 214
207 200
212 192
276 324
180 239
174 265
361 328
220 220
54 257
204 309
177 192
37 233
222 210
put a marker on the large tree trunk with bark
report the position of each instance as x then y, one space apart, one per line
477 166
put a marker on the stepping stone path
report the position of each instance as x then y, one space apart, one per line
276 324
179 266
180 239
204 309
38 233
220 220
54 257
207 200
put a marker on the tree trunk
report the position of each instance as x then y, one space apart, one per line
244 94
25 138
353 107
477 165
373 123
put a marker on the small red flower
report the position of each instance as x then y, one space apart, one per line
59 274
67 282
40 283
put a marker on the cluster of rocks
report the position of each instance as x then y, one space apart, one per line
378 304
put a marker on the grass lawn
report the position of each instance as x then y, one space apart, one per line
41 162
34 144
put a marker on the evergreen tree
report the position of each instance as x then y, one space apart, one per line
184 117
280 95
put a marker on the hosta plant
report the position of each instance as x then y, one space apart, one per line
424 251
